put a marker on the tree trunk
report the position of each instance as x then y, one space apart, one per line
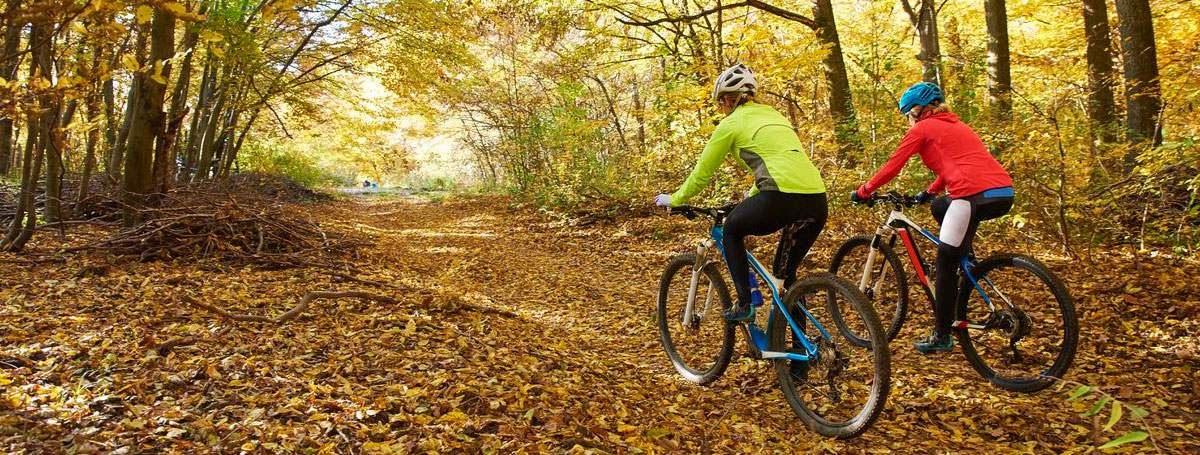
204 165
110 125
117 156
25 201
53 146
237 146
612 111
48 143
1101 107
8 72
25 219
89 159
924 20
178 111
999 78
1142 91
639 113
228 154
148 124
133 100
841 105
196 132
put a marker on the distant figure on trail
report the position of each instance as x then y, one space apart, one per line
366 183
787 187
374 185
979 189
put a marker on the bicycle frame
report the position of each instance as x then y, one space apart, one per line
716 235
900 225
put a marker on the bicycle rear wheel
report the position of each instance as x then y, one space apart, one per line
887 289
700 348
1025 331
840 393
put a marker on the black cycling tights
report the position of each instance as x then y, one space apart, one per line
959 218
765 213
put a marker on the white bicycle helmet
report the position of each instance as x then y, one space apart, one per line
738 78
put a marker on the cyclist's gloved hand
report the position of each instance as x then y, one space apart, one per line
859 197
924 197
663 200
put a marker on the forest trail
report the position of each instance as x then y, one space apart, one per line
574 366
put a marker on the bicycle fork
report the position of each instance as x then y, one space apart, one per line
865 280
697 270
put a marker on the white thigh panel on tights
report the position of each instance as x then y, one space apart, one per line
954 225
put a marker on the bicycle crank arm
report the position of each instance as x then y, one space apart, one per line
968 325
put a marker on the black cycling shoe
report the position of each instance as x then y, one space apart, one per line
738 313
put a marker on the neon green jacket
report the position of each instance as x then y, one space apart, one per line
766 146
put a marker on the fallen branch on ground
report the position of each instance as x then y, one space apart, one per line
305 300
458 304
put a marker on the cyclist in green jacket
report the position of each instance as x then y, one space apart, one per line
787 187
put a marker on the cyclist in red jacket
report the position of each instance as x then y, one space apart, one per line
979 189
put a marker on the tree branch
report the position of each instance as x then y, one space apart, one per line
772 9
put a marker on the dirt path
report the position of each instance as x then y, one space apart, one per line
590 292
578 368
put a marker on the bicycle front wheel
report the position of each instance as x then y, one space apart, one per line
885 285
1018 326
699 345
840 391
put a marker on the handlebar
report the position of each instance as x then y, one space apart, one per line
690 212
896 199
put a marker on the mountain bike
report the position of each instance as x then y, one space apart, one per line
836 387
1015 320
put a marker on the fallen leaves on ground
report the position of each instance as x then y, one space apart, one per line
106 357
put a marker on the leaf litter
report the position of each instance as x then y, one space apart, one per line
509 332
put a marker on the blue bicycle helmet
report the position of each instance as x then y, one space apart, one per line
920 94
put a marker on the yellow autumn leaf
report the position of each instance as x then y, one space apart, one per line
158 73
211 36
79 28
453 417
144 13
130 63
217 51
175 9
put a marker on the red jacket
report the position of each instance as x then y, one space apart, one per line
952 151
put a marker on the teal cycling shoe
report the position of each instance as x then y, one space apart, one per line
935 343
739 313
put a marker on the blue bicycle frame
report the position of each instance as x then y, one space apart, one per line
757 335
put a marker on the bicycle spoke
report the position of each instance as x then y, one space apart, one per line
878 274
699 345
1029 335
843 383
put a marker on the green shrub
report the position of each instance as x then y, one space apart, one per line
269 158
